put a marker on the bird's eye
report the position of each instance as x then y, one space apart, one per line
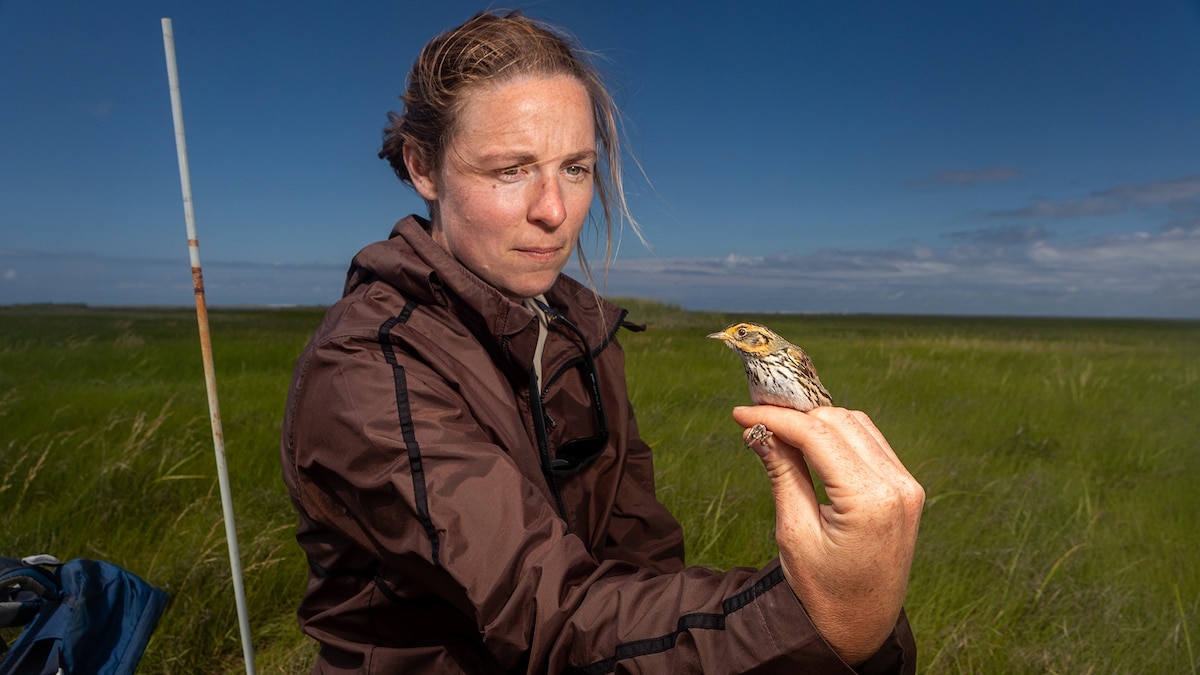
741 332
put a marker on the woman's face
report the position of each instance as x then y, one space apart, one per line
515 184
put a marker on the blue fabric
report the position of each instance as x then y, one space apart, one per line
88 616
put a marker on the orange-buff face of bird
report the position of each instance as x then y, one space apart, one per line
778 372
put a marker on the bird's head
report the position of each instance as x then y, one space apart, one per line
748 338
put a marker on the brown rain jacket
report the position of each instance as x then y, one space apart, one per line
437 540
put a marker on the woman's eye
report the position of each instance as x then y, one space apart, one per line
578 170
512 174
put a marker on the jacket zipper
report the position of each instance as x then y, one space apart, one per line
537 403
538 412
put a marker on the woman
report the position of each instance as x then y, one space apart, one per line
473 492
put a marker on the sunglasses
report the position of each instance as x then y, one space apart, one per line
577 453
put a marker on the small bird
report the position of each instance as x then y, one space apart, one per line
779 372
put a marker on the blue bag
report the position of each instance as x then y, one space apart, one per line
82 616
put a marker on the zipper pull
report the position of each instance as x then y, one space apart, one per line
551 313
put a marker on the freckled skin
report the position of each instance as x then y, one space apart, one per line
517 182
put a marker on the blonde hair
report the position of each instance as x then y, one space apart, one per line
490 48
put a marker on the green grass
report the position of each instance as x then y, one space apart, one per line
1060 459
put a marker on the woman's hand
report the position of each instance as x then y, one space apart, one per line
848 561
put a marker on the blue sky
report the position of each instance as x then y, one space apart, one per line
1012 158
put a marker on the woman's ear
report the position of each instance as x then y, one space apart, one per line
422 177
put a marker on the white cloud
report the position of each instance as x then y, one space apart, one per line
1140 274
1095 205
1159 192
735 260
1178 193
967 177
1000 272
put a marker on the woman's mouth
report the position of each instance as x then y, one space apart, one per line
540 253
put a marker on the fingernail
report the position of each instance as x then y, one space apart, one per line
762 449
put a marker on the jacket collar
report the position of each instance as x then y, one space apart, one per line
411 261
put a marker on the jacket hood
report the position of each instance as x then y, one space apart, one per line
416 265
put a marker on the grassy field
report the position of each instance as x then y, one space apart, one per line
1061 460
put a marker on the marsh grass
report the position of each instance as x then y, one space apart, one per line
1060 458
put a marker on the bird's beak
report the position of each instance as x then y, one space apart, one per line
719 336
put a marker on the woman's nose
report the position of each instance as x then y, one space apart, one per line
548 208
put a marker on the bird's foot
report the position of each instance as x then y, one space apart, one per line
758 434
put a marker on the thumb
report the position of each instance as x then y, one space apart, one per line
791 483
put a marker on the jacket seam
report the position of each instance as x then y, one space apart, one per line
416 464
662 643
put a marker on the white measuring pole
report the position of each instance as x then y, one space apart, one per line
210 377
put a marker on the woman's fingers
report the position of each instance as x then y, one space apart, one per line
845 451
848 561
